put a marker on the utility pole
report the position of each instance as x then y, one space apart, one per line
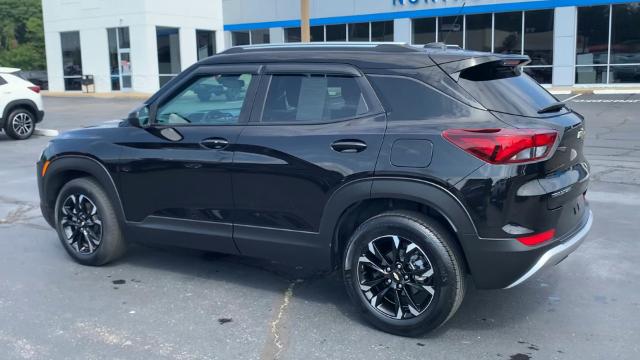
305 30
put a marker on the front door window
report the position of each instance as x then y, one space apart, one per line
209 100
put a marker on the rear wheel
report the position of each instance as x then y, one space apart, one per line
404 272
20 124
87 224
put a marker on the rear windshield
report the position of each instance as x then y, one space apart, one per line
506 89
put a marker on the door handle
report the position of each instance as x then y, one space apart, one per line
214 143
349 146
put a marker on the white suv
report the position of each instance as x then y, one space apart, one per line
20 105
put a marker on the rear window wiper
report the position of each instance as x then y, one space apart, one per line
553 107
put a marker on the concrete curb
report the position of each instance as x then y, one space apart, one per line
110 95
617 91
46 132
598 91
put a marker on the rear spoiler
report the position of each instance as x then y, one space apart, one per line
454 66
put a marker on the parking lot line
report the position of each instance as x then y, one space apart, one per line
571 98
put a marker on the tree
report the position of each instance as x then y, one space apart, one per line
22 34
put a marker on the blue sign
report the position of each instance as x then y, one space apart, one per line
414 2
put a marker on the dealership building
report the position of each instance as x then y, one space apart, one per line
138 45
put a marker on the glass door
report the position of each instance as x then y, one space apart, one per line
119 58
124 57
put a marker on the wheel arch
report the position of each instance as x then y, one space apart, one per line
21 103
354 203
65 168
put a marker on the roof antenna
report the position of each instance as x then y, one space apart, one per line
454 23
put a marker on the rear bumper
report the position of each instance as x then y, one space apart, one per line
39 116
505 263
557 253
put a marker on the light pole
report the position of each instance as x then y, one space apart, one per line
305 30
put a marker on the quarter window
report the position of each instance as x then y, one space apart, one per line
401 105
2 81
313 98
209 100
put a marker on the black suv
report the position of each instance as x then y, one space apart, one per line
403 168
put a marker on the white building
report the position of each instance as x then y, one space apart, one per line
127 44
570 42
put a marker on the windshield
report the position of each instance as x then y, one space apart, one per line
506 89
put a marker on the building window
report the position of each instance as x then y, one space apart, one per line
359 32
317 33
507 32
168 53
625 43
259 36
292 35
423 31
500 33
478 30
119 58
538 36
382 31
295 34
538 44
336 32
592 44
206 43
604 56
373 31
71 60
450 30
239 38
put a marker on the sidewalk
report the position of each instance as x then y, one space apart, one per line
567 90
103 95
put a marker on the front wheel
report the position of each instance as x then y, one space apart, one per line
87 224
404 272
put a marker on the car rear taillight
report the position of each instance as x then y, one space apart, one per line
533 240
504 146
35 89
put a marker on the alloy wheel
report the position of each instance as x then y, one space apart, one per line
22 124
81 223
396 277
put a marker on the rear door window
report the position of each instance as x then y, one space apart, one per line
313 98
506 89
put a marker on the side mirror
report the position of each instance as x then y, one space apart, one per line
139 117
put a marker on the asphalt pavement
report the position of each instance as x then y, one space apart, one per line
169 303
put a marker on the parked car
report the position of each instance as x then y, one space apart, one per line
20 105
37 77
408 170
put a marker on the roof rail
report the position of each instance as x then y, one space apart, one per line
442 46
374 46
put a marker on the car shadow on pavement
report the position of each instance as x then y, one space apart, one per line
481 310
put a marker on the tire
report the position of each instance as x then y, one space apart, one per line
83 247
431 274
20 124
